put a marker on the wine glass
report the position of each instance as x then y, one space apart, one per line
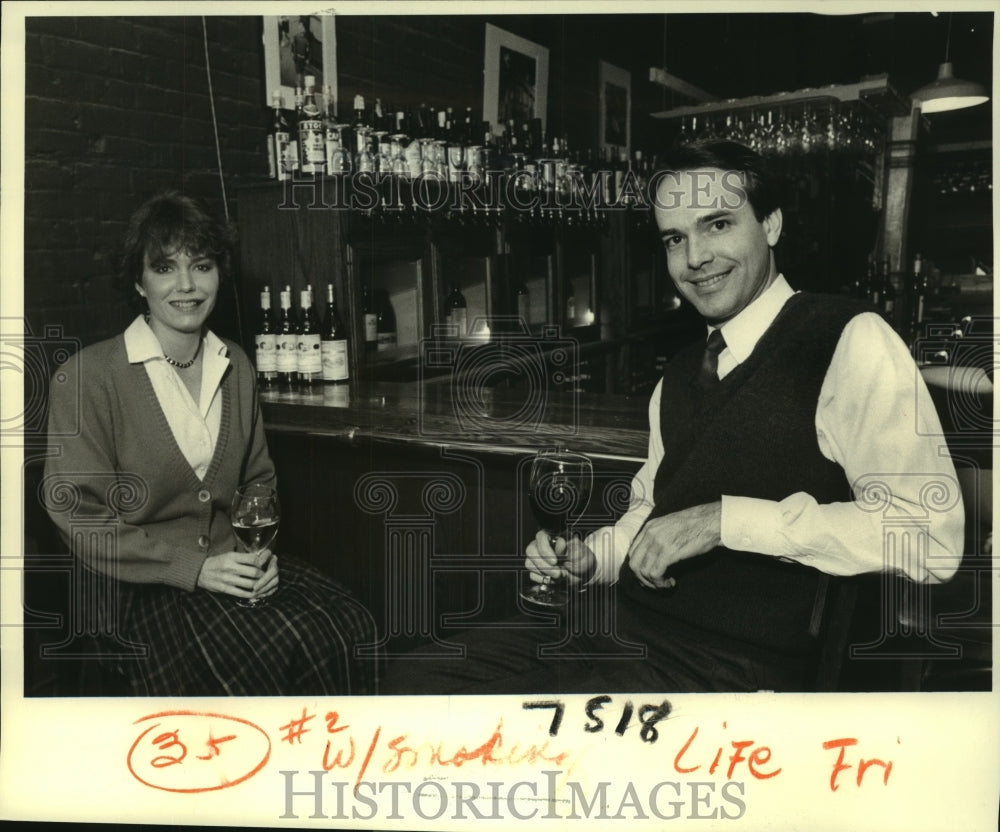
255 517
559 489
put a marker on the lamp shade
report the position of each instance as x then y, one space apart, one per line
947 92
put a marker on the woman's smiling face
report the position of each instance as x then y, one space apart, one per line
180 288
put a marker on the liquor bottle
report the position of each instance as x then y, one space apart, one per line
312 143
309 365
523 303
272 130
888 292
333 346
287 341
266 341
279 141
859 286
875 286
365 162
370 318
331 131
456 311
385 324
295 146
570 304
919 291
359 125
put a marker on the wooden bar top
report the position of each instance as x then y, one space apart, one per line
484 419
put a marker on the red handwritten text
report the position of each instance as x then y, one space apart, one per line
863 764
183 751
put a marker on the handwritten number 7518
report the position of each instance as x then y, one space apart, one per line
649 716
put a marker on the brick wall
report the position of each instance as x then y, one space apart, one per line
115 109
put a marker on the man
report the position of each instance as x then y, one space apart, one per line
778 447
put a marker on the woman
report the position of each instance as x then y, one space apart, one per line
168 428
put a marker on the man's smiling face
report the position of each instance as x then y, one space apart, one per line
718 252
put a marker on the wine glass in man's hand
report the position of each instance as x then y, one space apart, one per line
559 489
255 518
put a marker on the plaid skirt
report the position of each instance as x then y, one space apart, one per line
302 640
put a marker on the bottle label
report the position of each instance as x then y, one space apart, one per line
267 353
386 340
313 145
334 360
308 359
458 318
284 155
287 353
371 327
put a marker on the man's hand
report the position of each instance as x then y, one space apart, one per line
672 538
543 559
234 573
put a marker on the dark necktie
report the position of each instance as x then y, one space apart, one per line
708 373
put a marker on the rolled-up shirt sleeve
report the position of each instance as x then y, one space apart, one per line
610 544
875 418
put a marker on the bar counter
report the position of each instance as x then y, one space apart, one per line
419 490
434 415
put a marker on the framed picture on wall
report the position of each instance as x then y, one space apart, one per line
515 79
296 46
614 108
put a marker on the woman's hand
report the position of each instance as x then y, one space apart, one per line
267 584
236 573
572 559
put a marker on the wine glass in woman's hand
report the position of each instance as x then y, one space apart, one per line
559 489
255 520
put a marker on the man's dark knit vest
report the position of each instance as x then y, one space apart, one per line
751 435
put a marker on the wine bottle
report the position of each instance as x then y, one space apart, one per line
385 324
266 342
311 138
370 318
309 366
456 311
333 346
287 341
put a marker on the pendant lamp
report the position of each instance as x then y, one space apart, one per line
947 92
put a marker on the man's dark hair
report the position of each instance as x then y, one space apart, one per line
759 183
172 221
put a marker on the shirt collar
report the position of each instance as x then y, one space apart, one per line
744 331
142 345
